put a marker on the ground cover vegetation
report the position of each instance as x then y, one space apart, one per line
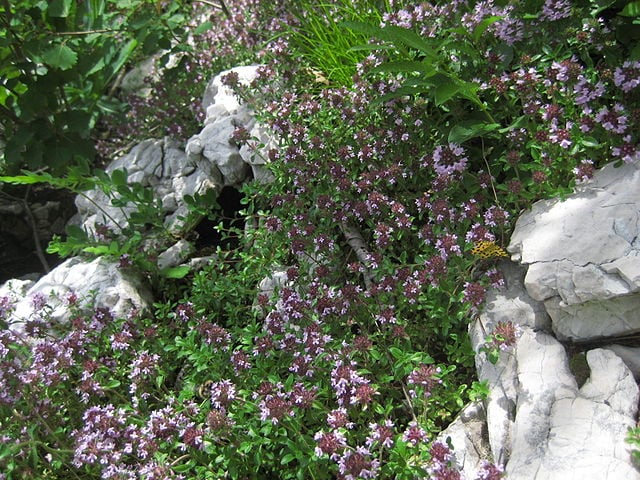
411 136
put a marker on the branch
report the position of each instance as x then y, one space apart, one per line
221 6
84 32
354 239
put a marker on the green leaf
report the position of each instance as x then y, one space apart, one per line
410 38
426 69
464 131
445 91
59 8
202 28
113 383
60 56
97 250
482 27
631 9
176 272
119 178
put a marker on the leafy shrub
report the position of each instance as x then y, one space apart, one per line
59 62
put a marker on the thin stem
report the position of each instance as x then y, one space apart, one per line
106 214
220 5
493 189
34 231
84 32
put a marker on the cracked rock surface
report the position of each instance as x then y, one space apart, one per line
541 424
583 255
577 283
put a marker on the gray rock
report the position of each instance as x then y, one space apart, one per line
161 165
583 255
221 152
468 437
582 434
510 304
97 284
225 113
175 255
594 320
630 356
222 97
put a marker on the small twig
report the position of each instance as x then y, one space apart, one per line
34 227
484 157
220 6
85 32
356 242
36 237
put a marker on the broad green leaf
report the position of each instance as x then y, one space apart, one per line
406 66
97 250
631 9
176 272
410 38
59 8
119 177
463 132
202 28
76 233
60 56
482 27
445 91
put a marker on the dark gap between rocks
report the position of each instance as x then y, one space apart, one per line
209 238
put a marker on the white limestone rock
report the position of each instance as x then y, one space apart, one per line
161 165
509 304
97 284
256 152
584 255
581 433
175 254
594 320
218 148
224 114
221 96
468 437
630 356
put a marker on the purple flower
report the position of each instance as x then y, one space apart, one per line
585 92
627 77
474 293
358 464
6 307
489 471
275 407
448 245
214 334
185 311
240 361
612 120
628 152
505 335
426 377
554 10
329 444
382 434
38 301
222 393
449 159
414 434
496 216
584 171
339 418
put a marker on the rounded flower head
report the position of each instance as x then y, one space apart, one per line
449 159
